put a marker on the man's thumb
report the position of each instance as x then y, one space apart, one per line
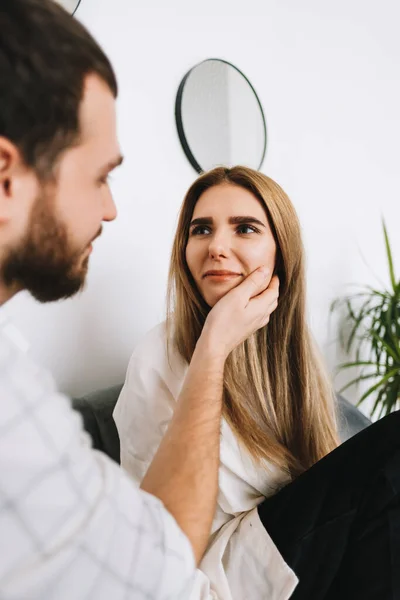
257 281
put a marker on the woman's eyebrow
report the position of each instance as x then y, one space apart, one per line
232 221
244 220
202 221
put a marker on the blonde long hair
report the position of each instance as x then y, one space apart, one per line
277 396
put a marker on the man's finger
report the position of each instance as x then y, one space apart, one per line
254 283
268 297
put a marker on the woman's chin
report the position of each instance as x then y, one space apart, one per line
214 297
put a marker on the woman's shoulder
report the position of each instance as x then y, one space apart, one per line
154 351
153 342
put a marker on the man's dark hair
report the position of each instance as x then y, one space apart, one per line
45 55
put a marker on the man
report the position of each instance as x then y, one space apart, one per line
71 523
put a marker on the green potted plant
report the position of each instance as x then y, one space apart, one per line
371 333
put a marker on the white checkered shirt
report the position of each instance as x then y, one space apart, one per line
72 525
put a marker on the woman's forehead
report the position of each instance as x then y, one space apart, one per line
227 200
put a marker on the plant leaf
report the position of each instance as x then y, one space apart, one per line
389 257
394 352
357 363
376 386
392 395
357 380
378 401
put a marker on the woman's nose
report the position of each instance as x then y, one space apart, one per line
218 247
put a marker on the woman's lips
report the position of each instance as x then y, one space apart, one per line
217 276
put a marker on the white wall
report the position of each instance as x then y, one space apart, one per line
328 75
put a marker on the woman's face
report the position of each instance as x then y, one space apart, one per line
229 237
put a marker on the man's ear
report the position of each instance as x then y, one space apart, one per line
10 167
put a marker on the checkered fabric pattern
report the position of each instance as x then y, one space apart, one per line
72 524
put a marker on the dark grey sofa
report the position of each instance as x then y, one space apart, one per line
97 408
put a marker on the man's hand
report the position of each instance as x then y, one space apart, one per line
241 312
184 471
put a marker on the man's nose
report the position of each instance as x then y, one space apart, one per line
110 210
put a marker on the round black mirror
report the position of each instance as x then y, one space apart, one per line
69 5
219 117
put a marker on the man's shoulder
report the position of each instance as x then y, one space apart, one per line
21 378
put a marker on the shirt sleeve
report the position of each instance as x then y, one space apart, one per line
72 524
142 414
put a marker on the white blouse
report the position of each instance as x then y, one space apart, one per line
241 561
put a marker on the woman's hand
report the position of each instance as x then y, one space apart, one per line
241 312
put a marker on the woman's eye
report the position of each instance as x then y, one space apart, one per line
244 229
200 230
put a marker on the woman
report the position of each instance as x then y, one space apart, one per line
279 417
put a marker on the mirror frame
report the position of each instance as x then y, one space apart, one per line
179 122
76 8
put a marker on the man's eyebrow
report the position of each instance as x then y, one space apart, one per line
232 221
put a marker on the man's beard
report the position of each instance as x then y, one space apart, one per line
44 262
